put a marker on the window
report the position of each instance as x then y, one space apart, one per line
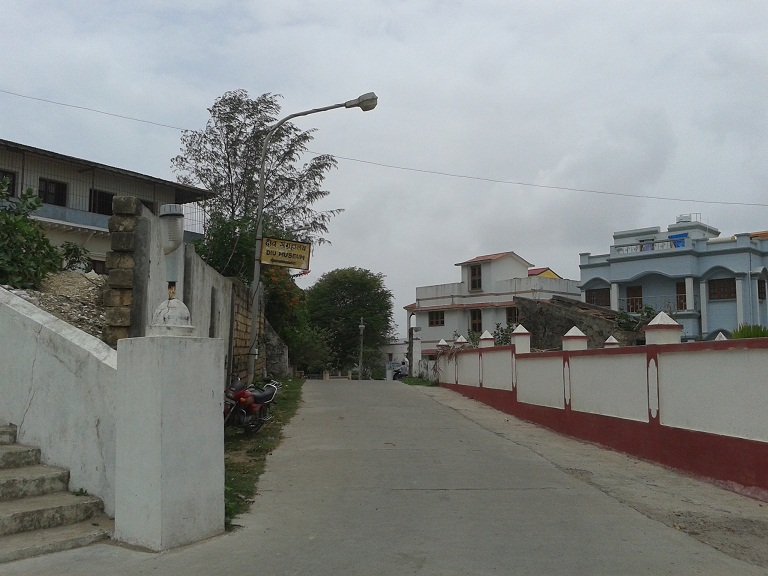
646 245
101 202
761 290
513 315
475 277
52 192
634 298
599 297
11 177
680 293
476 321
722 289
99 266
437 318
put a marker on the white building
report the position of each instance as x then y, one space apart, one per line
706 282
77 194
484 298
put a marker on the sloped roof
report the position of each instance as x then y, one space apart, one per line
540 271
490 257
185 192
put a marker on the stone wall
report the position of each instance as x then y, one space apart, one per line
121 263
241 330
136 285
547 321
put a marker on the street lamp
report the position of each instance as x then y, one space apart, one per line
360 363
365 102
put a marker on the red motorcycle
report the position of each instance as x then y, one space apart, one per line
248 406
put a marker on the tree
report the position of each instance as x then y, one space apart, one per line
338 300
225 159
309 347
229 246
26 255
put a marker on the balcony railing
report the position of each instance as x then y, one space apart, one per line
668 303
661 245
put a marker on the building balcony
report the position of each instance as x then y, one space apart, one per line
647 247
671 303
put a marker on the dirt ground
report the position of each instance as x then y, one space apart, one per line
75 298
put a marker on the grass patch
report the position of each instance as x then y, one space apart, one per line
414 381
245 456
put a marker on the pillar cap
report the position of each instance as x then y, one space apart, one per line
171 318
662 321
575 333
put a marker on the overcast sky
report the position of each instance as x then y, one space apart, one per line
477 98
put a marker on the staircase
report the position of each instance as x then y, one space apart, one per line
37 514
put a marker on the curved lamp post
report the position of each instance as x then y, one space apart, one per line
365 102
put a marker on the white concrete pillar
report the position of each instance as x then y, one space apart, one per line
704 301
690 301
416 350
169 468
614 296
663 330
611 342
521 340
574 339
739 301
486 340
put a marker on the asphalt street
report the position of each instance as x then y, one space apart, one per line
380 478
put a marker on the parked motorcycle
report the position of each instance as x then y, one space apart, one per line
248 406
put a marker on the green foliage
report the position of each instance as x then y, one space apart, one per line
750 331
75 257
414 381
228 247
473 338
225 158
283 300
635 320
502 336
26 255
309 347
338 300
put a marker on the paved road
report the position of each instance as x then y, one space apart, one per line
378 478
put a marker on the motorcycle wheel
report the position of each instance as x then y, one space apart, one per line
252 424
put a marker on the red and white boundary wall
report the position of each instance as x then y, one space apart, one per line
700 407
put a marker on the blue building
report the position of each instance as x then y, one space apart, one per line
705 282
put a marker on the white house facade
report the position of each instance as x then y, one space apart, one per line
484 298
705 282
77 194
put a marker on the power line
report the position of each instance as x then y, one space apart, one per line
420 170
92 110
550 187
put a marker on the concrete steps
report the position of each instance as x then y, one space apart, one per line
37 514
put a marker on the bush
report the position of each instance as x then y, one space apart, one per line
750 331
75 257
26 255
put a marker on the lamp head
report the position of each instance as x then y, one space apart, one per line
365 102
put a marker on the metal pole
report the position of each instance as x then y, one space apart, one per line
360 363
365 102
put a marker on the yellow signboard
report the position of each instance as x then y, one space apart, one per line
287 253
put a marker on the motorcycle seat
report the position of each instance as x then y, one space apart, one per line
263 396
